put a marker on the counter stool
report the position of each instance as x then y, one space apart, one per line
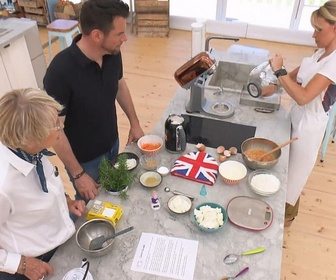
64 29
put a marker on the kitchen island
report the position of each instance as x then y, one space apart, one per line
212 247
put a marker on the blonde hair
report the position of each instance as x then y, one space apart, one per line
327 12
27 116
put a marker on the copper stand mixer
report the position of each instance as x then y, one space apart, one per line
194 74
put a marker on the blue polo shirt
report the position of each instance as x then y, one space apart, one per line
88 93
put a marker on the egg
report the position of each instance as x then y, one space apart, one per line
227 153
233 150
220 149
221 158
200 147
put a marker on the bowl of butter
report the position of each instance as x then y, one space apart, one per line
210 217
179 204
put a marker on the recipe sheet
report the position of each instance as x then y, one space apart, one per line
166 256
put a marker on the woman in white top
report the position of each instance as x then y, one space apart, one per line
34 216
307 85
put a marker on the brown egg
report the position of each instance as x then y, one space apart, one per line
220 149
221 158
200 147
233 150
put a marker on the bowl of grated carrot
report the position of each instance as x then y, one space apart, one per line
150 144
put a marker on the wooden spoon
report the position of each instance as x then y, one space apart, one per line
278 148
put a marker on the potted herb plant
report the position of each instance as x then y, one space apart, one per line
116 179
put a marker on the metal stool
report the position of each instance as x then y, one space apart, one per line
64 29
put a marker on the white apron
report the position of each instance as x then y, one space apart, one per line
309 127
308 124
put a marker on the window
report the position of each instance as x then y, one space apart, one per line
194 8
290 14
285 21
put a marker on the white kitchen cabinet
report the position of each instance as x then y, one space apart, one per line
22 62
4 82
16 61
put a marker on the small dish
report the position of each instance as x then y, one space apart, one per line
150 179
179 204
163 170
132 160
150 161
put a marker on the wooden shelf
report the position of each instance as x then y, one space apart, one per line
152 18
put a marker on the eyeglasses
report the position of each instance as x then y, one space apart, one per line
59 125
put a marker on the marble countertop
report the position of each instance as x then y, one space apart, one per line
212 246
15 28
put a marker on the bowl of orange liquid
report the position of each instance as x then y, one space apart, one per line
253 148
150 144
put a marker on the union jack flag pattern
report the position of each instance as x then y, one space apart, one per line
196 166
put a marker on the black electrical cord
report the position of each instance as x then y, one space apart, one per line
87 264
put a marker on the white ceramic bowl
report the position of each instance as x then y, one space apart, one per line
232 172
150 179
150 144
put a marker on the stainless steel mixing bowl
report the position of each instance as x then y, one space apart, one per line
93 229
262 144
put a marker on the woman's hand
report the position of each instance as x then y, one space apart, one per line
268 90
34 268
276 62
76 207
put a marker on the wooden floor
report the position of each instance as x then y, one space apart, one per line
309 248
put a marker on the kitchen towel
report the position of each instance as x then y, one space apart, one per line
197 166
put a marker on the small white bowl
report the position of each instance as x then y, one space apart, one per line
163 170
232 172
150 179
150 140
179 204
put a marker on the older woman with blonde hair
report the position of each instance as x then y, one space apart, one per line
307 85
34 216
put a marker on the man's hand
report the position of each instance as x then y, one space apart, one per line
87 187
135 133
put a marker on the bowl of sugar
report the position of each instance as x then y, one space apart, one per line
264 182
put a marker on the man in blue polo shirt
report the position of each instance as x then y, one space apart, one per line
87 79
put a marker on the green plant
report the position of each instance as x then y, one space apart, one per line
116 179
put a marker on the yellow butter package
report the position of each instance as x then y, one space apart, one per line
105 210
